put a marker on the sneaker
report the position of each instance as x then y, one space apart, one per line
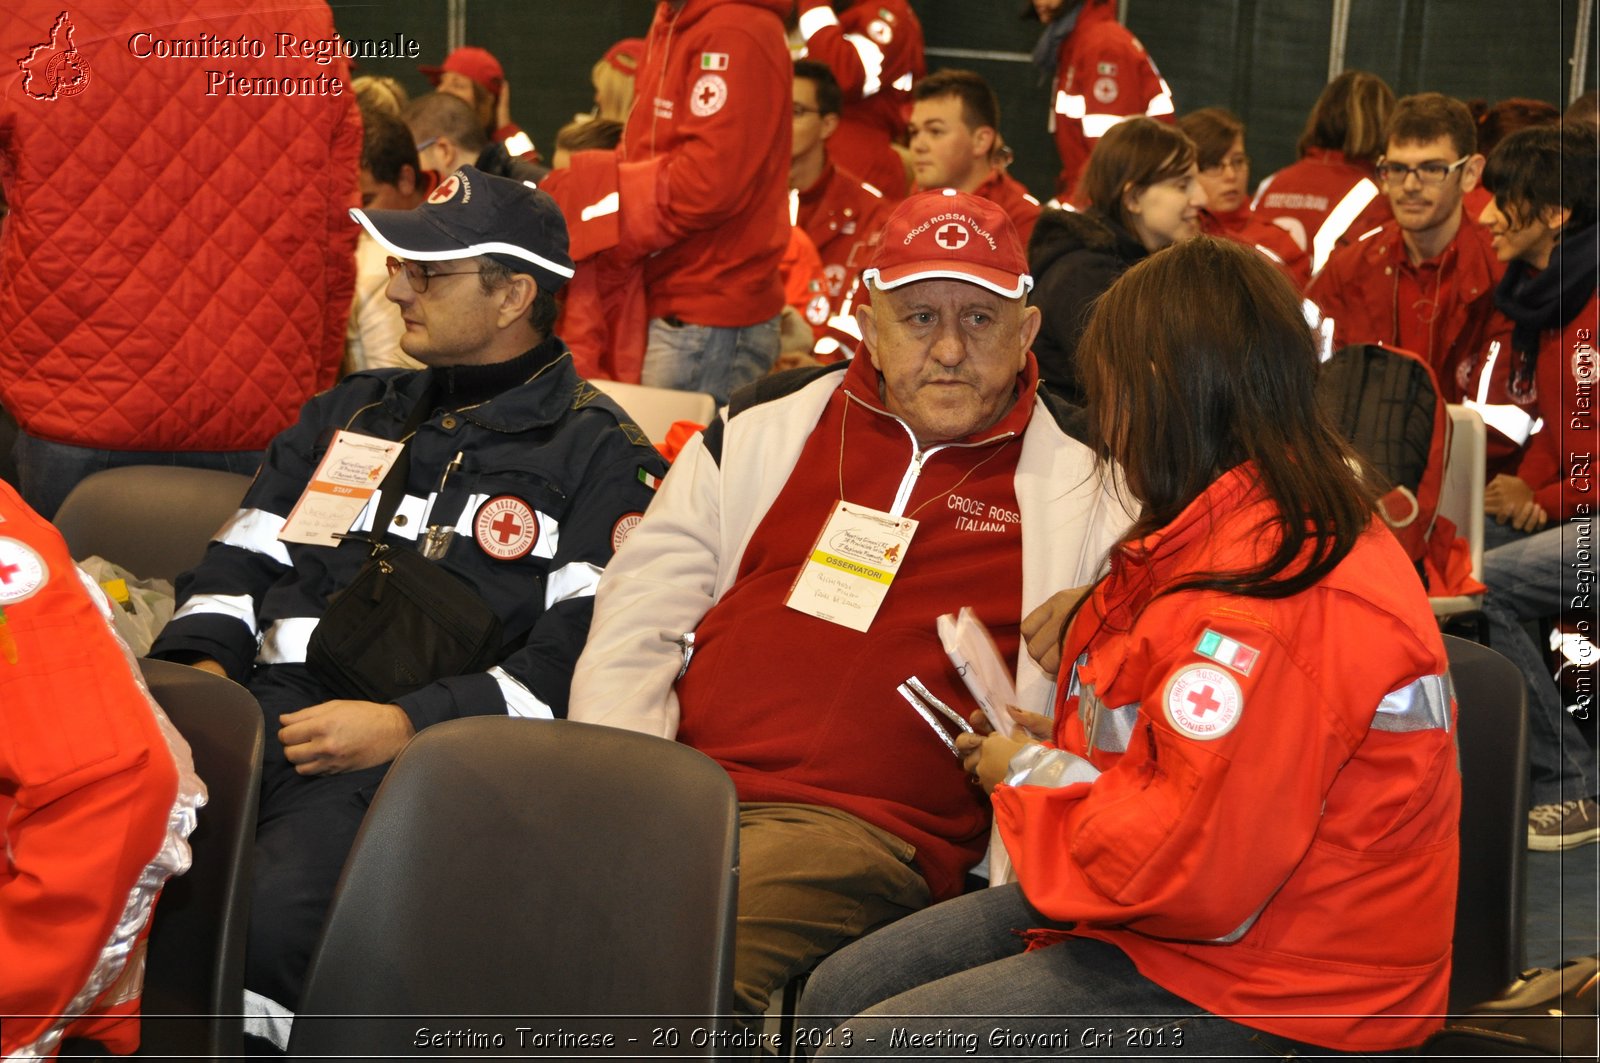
1563 826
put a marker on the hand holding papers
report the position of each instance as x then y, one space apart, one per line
972 651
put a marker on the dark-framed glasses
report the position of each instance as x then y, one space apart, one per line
1427 173
418 274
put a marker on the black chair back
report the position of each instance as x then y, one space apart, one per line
153 520
1492 735
538 870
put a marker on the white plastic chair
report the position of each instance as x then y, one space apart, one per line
1461 501
656 409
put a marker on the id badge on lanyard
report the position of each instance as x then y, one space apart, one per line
851 565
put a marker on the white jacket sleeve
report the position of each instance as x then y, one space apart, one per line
657 587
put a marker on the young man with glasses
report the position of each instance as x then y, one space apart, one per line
519 479
1423 281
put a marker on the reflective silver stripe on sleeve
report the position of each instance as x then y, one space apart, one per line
576 580
1339 219
1037 765
520 701
1420 706
1244 927
255 530
1096 126
1112 727
815 20
285 641
241 607
871 63
1161 103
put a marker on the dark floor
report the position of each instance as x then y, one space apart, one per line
1562 900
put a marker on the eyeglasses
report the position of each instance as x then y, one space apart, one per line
418 274
801 110
1237 163
426 144
1428 173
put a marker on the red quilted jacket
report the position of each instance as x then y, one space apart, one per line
177 268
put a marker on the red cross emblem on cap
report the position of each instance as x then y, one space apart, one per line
953 236
446 190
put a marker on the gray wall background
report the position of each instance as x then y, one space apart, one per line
1266 60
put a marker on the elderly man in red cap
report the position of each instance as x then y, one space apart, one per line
827 518
475 76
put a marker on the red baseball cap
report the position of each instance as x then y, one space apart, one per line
943 233
626 55
473 63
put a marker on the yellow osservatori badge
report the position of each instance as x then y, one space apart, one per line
851 565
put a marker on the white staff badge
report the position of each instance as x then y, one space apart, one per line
851 565
344 482
1203 702
22 571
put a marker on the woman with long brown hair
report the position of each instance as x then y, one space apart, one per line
1242 822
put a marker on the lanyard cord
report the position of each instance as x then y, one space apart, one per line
845 416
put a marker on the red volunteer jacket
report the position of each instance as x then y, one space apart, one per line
88 787
1103 75
1273 830
1020 207
843 217
874 48
1324 201
685 198
177 269
1243 226
1438 310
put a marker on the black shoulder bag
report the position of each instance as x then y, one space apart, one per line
403 622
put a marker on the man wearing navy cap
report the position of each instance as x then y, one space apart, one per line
789 576
522 480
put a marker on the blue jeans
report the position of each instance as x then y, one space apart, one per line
1530 577
47 472
957 973
707 358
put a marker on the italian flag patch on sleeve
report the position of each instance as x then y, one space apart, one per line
1225 651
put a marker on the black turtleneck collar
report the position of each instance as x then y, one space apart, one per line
458 386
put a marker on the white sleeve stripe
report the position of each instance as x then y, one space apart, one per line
240 607
520 701
518 144
817 19
255 530
1096 126
285 642
576 580
871 63
1159 106
1339 219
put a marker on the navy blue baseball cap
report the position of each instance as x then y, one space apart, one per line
472 213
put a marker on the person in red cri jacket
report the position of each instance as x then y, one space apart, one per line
1541 519
1329 197
1238 834
686 200
1100 75
874 48
841 213
955 143
1218 137
97 798
1423 281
